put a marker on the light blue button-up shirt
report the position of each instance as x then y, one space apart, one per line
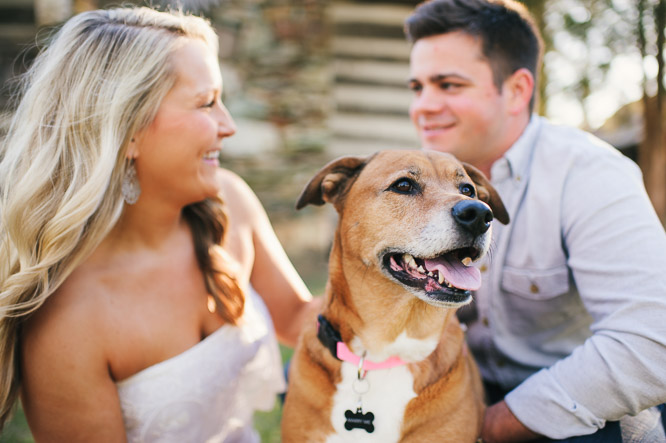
572 309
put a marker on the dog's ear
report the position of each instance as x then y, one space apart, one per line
331 183
487 193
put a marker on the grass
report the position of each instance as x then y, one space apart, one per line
16 431
266 423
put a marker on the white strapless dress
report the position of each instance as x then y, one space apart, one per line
209 392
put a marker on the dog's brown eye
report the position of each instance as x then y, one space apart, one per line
467 189
404 186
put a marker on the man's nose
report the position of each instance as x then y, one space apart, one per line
426 102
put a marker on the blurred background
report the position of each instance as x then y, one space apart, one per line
310 80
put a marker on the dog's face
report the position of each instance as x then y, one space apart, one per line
418 218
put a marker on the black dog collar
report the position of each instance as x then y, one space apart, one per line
328 335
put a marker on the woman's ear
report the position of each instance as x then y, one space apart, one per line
133 148
519 88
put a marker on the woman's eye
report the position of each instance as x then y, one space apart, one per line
209 104
404 186
467 189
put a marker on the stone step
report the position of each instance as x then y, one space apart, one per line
340 146
372 14
371 48
371 66
389 73
369 30
372 99
394 129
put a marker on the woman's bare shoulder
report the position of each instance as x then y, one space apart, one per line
73 319
237 195
232 185
65 364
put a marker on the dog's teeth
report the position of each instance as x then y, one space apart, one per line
440 278
421 270
430 274
412 262
467 261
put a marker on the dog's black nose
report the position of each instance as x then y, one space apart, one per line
473 215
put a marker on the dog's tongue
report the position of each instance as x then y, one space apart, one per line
459 275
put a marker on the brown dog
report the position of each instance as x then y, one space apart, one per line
387 360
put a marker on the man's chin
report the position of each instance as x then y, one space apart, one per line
430 145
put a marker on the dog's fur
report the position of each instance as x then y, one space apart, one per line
391 203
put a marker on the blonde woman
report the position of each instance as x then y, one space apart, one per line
124 315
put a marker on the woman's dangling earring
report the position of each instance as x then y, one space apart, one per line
130 186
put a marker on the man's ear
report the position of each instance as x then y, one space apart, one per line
487 193
519 88
331 183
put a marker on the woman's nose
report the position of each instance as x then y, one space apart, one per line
226 126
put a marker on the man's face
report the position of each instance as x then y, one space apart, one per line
456 107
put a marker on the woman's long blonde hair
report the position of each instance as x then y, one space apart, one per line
100 80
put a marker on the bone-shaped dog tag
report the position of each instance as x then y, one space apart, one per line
359 420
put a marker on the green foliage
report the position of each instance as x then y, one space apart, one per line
17 431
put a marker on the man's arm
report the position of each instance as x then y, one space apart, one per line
500 426
616 253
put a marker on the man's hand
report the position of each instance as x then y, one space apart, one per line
500 426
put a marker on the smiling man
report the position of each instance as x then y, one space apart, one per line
567 326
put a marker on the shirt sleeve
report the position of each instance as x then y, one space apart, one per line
616 252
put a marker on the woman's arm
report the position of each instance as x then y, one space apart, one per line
274 277
272 273
67 391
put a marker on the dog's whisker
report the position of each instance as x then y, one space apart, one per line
365 273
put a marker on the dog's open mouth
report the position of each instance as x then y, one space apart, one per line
446 278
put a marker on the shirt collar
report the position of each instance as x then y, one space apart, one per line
514 164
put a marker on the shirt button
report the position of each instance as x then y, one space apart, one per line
485 321
483 268
534 289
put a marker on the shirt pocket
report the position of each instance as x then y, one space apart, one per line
536 284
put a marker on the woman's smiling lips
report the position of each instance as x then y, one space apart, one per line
212 157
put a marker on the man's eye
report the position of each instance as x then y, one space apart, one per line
209 104
405 186
467 189
447 85
414 87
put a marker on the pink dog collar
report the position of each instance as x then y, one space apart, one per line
331 339
345 354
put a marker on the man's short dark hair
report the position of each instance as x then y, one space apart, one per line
510 40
